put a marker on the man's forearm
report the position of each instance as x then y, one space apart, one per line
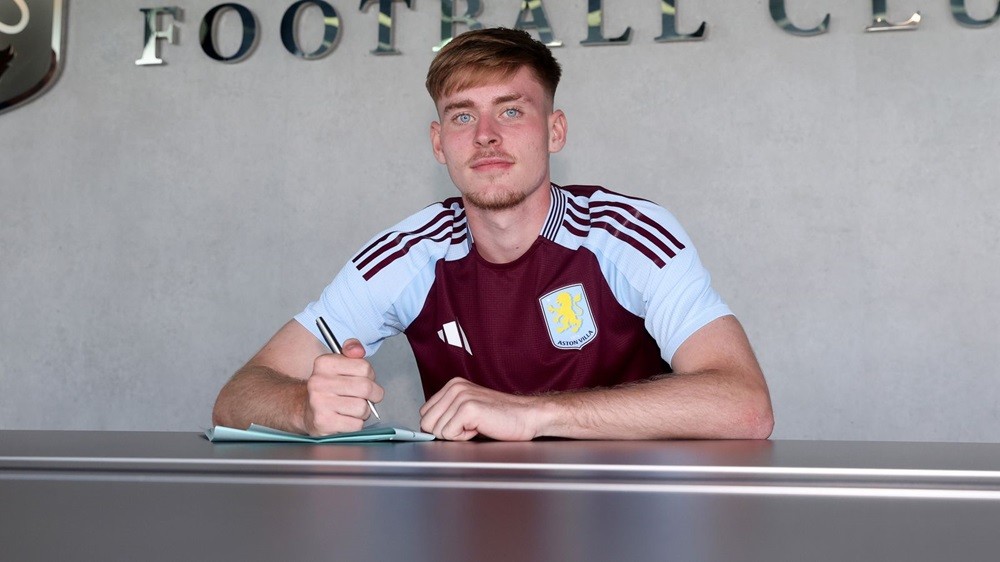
258 394
705 405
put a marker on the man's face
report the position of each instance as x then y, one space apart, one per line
496 140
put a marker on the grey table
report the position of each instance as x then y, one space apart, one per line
175 496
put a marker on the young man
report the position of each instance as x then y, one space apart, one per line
532 309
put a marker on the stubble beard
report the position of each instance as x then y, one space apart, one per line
494 197
496 201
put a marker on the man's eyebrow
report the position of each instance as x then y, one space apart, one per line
507 99
467 103
460 104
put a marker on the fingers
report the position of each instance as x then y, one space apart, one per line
331 366
460 422
338 415
440 395
462 409
337 391
442 408
444 401
348 387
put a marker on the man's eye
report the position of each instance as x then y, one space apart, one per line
463 118
512 112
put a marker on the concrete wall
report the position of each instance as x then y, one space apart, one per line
158 224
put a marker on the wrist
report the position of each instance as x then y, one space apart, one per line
301 414
549 416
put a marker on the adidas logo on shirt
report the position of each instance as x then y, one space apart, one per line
452 334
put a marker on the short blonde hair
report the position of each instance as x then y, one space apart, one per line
484 56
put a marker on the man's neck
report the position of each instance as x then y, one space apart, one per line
503 236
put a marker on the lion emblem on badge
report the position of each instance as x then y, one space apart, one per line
567 313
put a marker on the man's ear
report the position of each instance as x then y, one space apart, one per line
436 141
557 131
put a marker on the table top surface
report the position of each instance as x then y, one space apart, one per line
761 459
175 495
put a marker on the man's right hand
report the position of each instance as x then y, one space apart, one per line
293 383
337 390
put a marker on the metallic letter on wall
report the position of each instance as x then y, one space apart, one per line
595 27
153 33
448 20
669 34
539 21
290 36
962 15
207 33
385 27
880 23
780 17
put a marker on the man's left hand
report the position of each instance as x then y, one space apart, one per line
462 409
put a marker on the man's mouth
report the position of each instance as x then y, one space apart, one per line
491 162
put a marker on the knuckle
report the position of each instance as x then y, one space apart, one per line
469 408
312 384
321 362
332 422
359 409
354 424
353 386
315 397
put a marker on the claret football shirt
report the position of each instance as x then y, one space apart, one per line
606 294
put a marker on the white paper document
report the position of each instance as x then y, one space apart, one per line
261 433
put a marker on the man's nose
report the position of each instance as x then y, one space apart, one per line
487 133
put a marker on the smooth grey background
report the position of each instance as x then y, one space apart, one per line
158 224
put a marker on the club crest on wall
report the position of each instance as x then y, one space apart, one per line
31 48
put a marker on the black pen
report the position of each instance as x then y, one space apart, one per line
334 346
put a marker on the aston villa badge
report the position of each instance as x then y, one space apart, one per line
568 317
31 48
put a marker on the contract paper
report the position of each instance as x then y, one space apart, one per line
221 433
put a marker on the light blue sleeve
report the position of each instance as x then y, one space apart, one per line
679 301
675 300
352 310
382 306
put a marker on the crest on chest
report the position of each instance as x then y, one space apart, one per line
568 317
